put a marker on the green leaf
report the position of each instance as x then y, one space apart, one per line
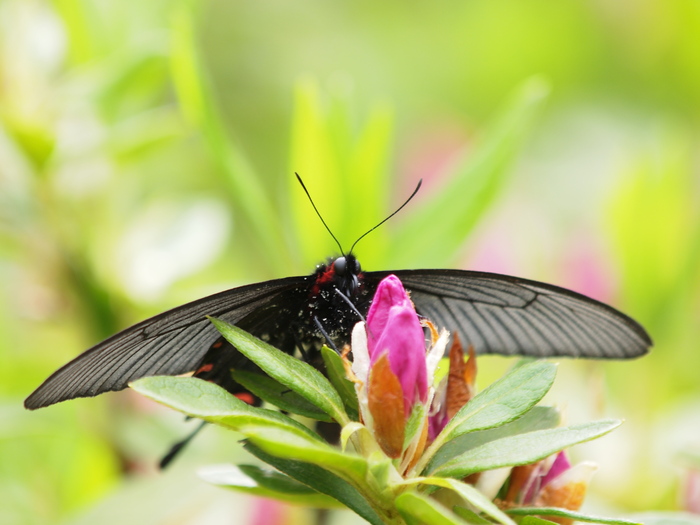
200 108
369 167
348 430
523 448
205 400
503 401
266 483
473 188
563 513
472 496
537 418
315 158
346 388
534 520
293 373
290 445
470 516
321 480
420 509
278 394
337 167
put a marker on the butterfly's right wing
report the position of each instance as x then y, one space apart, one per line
170 343
500 314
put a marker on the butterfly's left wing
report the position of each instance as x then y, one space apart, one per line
511 316
170 343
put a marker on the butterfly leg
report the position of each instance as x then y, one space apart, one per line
325 335
177 447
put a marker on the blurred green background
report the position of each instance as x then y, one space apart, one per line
146 159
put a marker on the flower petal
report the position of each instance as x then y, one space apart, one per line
360 352
567 490
560 465
385 399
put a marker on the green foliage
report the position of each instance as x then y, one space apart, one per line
562 513
300 377
504 400
207 401
417 509
472 189
336 374
274 392
506 427
321 480
473 497
537 418
266 483
522 449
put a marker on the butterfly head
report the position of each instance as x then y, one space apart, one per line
346 270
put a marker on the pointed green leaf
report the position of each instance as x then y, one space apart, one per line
503 401
470 516
461 201
348 430
368 167
200 108
472 496
346 388
563 513
420 509
293 373
321 480
278 394
254 480
537 418
523 448
205 400
534 520
314 158
289 445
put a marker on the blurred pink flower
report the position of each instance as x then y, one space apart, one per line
269 512
587 271
552 482
691 496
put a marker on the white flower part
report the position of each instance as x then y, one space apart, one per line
435 354
360 352
438 398
579 473
491 481
226 474
360 367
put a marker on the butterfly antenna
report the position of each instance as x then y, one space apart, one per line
319 214
389 217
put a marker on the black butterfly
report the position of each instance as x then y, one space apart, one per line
494 313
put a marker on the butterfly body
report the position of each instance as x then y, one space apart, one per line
494 313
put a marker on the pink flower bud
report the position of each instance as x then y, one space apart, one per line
394 330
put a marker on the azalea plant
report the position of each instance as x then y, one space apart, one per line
412 449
